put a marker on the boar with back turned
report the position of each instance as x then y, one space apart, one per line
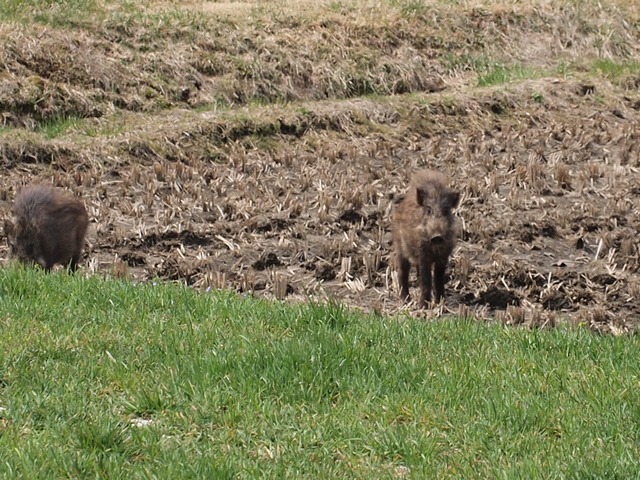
49 229
424 233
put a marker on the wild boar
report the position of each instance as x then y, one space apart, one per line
424 233
50 226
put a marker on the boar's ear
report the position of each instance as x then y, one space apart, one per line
8 228
452 199
421 196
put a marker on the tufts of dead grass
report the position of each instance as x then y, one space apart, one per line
293 201
161 56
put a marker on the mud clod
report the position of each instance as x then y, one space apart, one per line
133 259
265 261
497 298
351 216
325 272
556 301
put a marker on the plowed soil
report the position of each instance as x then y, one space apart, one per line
265 153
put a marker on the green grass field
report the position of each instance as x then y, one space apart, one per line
108 379
208 137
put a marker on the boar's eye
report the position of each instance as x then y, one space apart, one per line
427 209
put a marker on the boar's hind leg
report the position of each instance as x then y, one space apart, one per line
438 273
403 276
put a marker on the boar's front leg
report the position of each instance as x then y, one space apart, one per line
424 272
73 264
439 276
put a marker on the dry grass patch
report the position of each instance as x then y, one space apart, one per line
166 55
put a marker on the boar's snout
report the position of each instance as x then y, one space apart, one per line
437 240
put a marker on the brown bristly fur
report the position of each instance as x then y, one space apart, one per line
49 229
424 233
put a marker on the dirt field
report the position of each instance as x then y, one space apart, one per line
264 153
